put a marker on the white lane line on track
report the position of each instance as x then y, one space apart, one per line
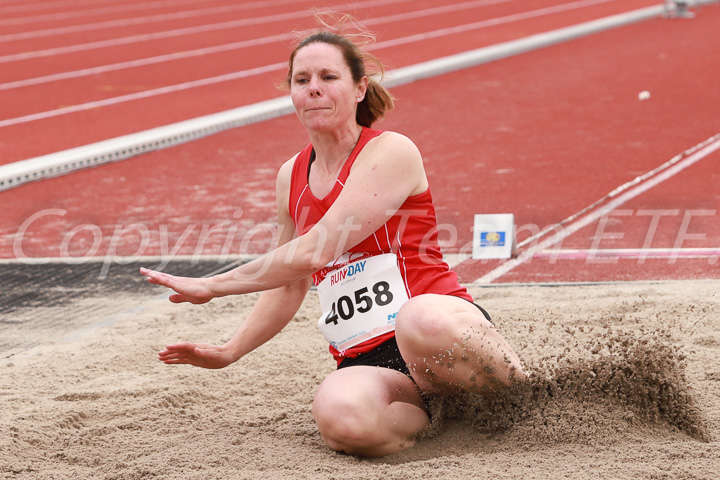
146 94
49 17
124 22
711 145
243 22
123 260
49 5
451 259
492 22
631 253
229 47
618 191
146 61
277 66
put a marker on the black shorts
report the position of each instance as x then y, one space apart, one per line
387 354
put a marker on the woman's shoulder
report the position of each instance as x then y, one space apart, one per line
393 155
289 163
394 144
392 137
284 175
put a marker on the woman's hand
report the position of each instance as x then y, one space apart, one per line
198 354
192 290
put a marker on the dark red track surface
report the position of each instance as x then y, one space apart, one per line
541 135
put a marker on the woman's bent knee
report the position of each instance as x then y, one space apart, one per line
344 423
349 435
368 411
450 345
423 321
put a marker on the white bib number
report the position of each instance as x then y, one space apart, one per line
360 300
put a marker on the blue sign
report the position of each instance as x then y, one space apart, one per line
492 239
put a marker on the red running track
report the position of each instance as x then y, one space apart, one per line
541 135
40 118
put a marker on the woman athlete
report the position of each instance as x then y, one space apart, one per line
356 217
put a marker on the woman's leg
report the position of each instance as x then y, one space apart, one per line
449 345
369 411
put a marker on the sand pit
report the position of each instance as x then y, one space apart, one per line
625 385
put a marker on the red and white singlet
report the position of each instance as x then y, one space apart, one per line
411 235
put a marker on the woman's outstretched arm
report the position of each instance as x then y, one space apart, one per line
273 310
386 173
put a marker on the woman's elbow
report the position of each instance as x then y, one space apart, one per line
313 254
318 261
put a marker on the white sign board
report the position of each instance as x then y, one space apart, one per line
494 236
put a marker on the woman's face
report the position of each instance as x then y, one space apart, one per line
323 91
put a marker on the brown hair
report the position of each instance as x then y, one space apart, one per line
377 101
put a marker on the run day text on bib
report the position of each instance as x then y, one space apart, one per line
360 300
